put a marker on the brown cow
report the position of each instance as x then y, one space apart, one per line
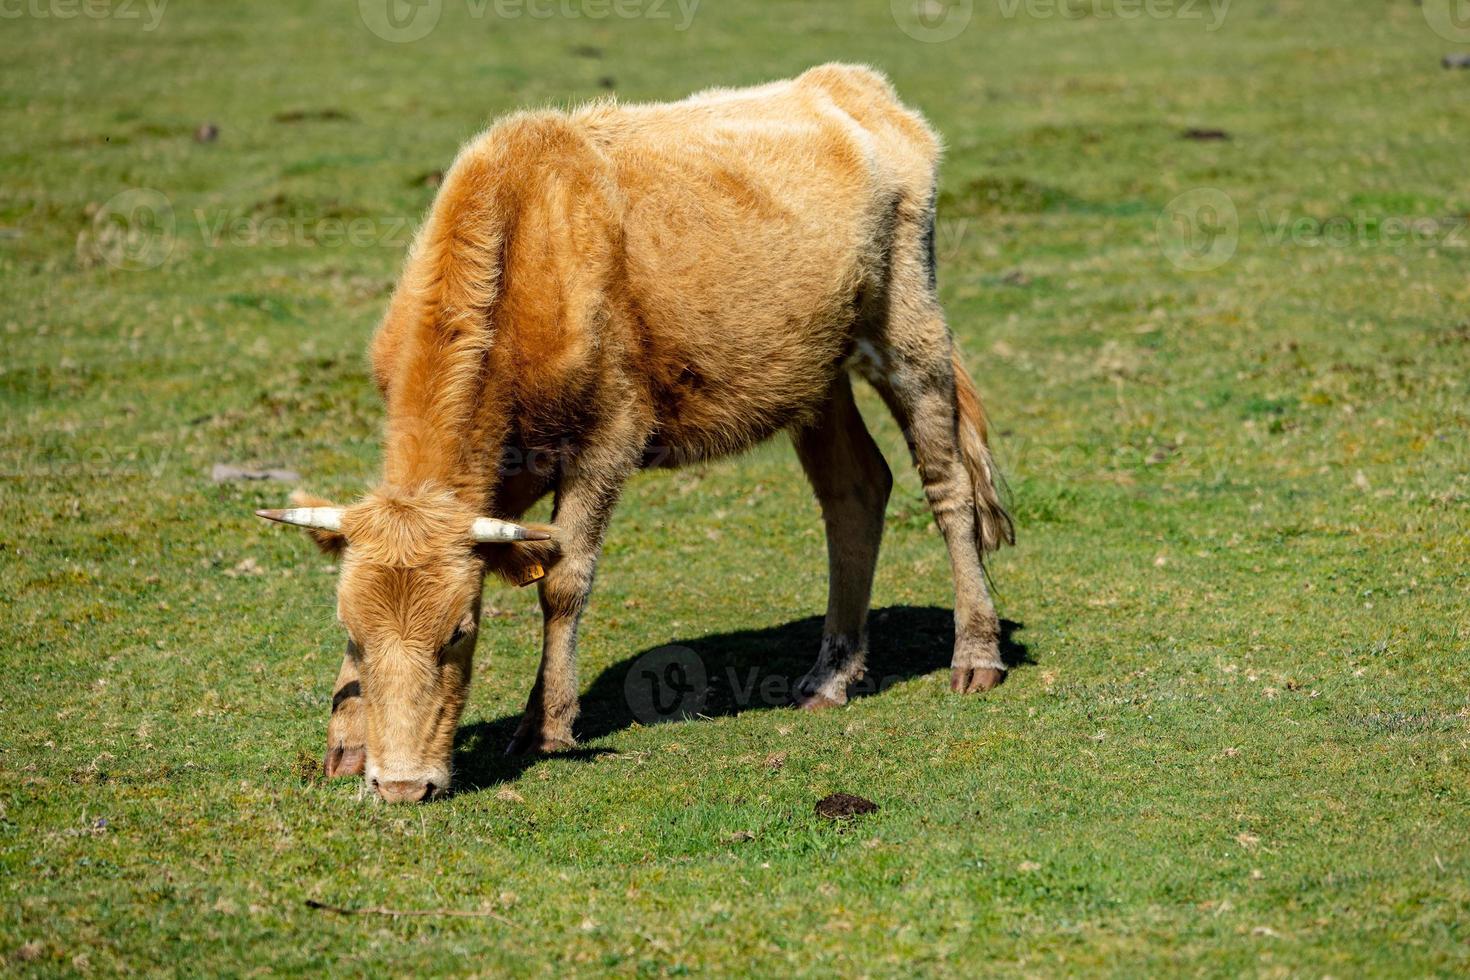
623 286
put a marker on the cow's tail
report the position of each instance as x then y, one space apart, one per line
993 524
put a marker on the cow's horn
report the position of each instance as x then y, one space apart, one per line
487 530
321 518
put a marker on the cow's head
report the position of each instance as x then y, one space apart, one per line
412 568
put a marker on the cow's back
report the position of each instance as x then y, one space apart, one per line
698 263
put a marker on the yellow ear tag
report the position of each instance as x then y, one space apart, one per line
531 573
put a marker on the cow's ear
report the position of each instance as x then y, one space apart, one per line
522 562
331 542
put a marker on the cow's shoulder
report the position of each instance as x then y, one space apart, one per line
509 176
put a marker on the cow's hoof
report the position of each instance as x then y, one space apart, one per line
343 760
538 743
975 680
819 690
816 701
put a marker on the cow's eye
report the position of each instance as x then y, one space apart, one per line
459 634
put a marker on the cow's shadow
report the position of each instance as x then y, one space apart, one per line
724 674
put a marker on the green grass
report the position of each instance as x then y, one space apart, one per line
1240 741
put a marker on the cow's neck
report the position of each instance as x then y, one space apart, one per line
461 455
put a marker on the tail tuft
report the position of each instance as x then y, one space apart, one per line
994 527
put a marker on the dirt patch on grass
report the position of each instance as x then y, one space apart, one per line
844 806
312 115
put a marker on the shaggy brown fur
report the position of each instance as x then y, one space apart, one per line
627 286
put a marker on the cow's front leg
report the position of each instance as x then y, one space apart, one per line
584 503
347 729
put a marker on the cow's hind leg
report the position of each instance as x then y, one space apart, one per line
922 398
852 483
914 369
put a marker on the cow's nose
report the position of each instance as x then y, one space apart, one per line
403 790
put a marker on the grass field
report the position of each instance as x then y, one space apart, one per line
1235 425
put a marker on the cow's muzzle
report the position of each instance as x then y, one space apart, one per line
406 791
